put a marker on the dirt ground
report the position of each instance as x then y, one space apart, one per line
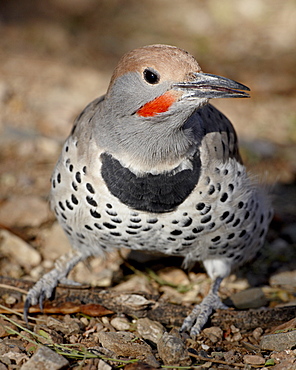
57 56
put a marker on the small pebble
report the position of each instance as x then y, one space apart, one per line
254 360
214 333
172 350
44 359
249 298
120 323
257 333
279 341
149 329
19 250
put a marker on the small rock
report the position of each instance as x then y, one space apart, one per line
279 341
120 323
22 211
257 333
45 359
254 360
2 366
284 279
249 298
67 328
149 329
172 349
214 333
231 356
174 276
20 251
102 365
125 344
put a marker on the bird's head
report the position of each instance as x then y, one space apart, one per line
153 90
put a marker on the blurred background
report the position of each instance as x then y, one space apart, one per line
58 55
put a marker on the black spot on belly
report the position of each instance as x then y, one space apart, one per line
200 206
224 215
90 188
224 197
231 187
95 214
114 233
109 226
231 218
78 177
211 190
197 230
68 204
152 221
206 219
135 220
176 232
111 213
131 232
74 199
240 205
116 220
91 201
186 222
74 186
61 206
190 237
134 226
206 210
152 193
242 233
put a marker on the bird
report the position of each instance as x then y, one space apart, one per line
153 166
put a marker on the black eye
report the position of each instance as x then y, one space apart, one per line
152 77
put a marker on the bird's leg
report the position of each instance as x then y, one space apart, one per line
201 312
45 286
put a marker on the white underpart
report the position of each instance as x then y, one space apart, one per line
217 267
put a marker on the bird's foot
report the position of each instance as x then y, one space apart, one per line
44 287
200 314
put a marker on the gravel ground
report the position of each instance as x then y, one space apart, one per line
56 58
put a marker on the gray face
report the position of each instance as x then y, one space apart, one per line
145 142
152 96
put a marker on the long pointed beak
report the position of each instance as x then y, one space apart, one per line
206 85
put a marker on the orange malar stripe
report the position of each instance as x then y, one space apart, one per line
158 105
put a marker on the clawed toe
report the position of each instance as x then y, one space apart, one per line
200 314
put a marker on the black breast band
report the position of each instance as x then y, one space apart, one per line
151 193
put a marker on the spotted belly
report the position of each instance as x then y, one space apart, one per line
224 216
